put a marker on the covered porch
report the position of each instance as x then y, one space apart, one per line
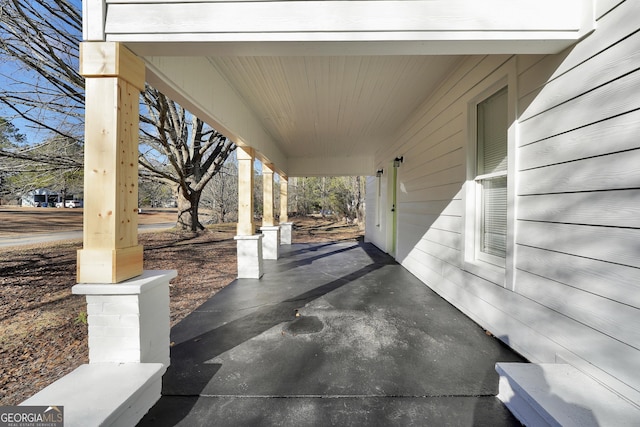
389 89
333 334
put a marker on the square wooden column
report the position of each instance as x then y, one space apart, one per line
114 79
270 231
284 199
285 226
268 219
246 157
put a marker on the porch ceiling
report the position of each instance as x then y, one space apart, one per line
306 115
328 106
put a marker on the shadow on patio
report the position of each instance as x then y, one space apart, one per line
336 334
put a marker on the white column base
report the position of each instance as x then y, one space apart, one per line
129 322
249 256
271 242
285 233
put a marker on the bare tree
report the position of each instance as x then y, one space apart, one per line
39 44
41 40
195 151
339 196
221 194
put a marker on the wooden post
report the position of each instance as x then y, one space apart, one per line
267 196
114 79
284 201
246 158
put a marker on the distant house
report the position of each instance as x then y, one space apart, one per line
43 198
40 198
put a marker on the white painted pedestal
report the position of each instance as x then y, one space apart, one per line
129 321
271 242
128 354
285 233
249 256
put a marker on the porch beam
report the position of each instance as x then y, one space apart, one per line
114 79
478 27
246 157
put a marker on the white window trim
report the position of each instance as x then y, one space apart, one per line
484 265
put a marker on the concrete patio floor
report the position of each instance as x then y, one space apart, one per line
333 334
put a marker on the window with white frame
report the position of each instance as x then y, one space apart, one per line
490 203
491 179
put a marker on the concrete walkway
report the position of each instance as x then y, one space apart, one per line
333 334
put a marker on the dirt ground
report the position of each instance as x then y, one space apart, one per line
43 331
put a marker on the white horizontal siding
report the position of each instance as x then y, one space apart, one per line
614 282
436 193
616 320
582 109
578 228
437 222
451 162
619 359
611 29
615 245
442 107
434 207
436 250
620 208
611 64
613 171
576 295
620 132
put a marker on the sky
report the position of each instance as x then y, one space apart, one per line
12 71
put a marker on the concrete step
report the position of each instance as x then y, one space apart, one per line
104 394
560 395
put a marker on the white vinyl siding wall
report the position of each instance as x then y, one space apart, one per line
576 281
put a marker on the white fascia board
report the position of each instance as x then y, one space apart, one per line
202 90
332 166
440 21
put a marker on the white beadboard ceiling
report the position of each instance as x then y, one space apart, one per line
322 107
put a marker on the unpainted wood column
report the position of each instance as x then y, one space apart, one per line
267 195
246 157
114 79
284 199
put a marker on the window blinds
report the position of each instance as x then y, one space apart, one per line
492 174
